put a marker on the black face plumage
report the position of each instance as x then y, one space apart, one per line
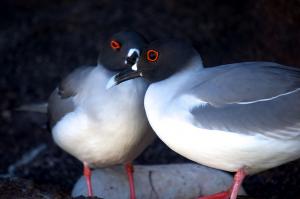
161 59
114 50
158 61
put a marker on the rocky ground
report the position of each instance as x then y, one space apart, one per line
42 41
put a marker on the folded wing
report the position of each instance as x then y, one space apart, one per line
250 98
61 100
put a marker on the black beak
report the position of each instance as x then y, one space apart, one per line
122 76
127 74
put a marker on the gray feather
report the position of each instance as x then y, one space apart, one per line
256 97
70 85
61 99
245 82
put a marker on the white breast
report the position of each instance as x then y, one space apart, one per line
108 126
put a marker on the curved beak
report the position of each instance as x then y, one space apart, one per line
127 74
122 76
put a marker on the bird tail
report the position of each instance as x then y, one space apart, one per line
39 107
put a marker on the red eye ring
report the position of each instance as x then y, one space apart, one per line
115 45
152 55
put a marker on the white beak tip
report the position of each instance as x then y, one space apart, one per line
111 83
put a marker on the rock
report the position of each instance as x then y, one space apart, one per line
174 181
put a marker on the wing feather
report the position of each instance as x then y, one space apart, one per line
250 98
61 100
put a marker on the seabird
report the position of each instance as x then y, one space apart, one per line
103 127
242 117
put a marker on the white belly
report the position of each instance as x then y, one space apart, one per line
99 143
225 150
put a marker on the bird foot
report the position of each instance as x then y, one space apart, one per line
233 191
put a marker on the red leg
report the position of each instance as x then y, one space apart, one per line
129 170
233 191
237 182
88 173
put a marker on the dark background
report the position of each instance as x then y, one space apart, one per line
42 41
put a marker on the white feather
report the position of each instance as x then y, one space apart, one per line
169 115
108 126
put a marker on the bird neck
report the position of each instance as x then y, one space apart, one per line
193 66
170 86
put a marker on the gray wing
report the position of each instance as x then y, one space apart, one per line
249 98
61 100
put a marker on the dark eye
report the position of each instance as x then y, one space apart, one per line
115 45
152 55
